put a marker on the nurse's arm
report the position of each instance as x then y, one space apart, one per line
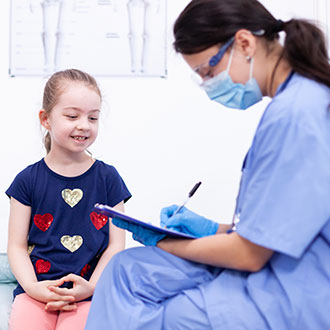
221 250
223 228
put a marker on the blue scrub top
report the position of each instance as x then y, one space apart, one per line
284 205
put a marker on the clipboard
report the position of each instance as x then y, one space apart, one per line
113 213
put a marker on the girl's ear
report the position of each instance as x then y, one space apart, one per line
246 42
43 117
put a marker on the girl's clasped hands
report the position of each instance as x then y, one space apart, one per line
58 298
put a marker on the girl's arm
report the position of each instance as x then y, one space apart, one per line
20 263
116 244
221 250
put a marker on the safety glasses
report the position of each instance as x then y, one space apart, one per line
205 71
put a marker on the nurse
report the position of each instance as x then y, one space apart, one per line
271 268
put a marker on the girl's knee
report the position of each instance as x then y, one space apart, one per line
30 314
75 320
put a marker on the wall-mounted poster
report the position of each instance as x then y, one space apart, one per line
102 37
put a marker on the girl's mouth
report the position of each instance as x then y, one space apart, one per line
80 138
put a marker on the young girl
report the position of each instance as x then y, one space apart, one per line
57 246
270 269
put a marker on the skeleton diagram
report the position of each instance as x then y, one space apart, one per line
140 15
51 10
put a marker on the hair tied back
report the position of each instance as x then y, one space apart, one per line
279 26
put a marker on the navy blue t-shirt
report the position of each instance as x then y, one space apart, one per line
65 235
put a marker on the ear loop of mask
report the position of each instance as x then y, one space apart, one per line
251 68
230 60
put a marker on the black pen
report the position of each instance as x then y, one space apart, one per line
191 193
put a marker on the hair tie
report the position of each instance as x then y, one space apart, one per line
279 26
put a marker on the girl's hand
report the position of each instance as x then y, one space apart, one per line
81 290
41 292
53 306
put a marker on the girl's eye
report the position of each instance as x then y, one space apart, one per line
93 118
71 116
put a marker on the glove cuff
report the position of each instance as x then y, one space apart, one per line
213 228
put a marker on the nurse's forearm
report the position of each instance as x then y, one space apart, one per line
223 228
221 250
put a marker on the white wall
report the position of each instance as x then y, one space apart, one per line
163 135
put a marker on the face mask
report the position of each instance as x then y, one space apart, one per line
223 90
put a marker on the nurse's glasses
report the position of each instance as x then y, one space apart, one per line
205 71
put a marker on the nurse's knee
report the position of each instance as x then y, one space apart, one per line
118 265
182 312
173 313
114 262
111 274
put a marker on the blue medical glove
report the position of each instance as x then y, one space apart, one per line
187 222
140 234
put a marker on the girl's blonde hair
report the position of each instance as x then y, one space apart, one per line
56 85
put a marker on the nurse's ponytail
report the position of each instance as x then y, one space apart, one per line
305 50
206 23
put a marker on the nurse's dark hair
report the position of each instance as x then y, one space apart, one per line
206 23
57 84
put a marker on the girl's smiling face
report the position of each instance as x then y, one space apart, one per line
73 121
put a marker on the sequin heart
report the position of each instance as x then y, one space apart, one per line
84 271
72 243
42 266
99 220
43 222
30 249
72 197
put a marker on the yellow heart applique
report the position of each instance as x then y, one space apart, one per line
30 249
72 197
72 243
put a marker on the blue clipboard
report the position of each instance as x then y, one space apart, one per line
113 213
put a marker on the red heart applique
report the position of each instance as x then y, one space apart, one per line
43 222
86 268
99 220
42 266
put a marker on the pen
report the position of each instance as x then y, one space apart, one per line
191 193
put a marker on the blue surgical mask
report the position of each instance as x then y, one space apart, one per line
223 90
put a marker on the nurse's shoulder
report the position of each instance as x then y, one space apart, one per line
301 100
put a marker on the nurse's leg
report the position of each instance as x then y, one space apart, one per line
186 311
133 288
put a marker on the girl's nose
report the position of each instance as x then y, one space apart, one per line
83 124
